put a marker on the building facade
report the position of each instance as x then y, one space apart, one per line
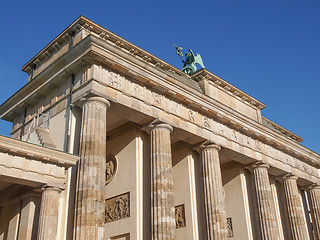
111 142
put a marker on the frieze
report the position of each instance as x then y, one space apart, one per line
246 141
234 135
214 126
288 159
137 91
269 150
258 145
157 99
221 129
174 108
298 164
191 116
277 154
204 121
305 167
117 207
115 80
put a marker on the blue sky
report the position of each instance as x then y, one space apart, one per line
268 49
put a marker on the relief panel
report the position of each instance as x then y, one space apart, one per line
180 216
111 168
137 91
206 122
121 237
115 80
230 228
117 207
156 99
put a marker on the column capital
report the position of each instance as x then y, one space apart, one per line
313 186
49 212
206 145
286 176
158 124
52 188
256 165
98 99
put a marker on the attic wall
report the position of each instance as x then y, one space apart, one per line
232 102
49 111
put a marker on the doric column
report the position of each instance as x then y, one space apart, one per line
48 218
30 202
298 228
266 211
162 199
215 213
314 204
90 199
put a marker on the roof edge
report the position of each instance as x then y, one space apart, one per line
228 87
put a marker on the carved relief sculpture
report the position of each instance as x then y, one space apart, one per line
230 228
182 139
192 115
111 168
115 80
180 216
206 122
117 208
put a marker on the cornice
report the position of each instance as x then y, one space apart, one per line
31 151
83 23
197 100
51 48
211 107
204 74
46 79
269 124
224 114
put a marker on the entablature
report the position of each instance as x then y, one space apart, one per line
275 127
159 81
28 150
96 53
89 27
28 164
204 74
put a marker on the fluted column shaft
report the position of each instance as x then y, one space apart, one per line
298 228
266 211
314 204
162 199
215 213
48 218
90 199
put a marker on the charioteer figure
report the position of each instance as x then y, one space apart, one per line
189 64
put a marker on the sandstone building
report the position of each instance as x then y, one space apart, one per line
111 142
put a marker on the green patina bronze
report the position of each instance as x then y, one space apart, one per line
189 64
